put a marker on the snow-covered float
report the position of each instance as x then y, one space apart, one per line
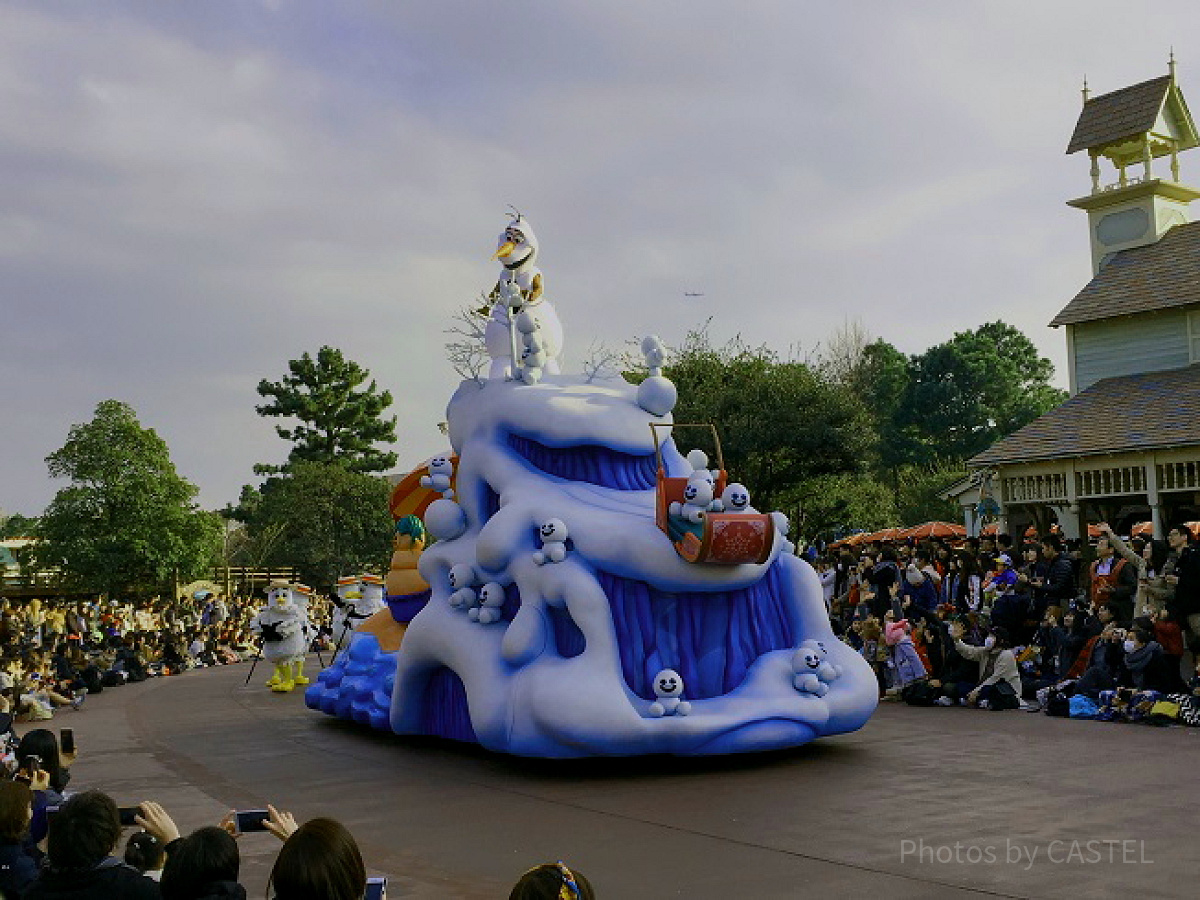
563 617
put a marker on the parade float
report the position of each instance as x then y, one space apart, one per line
592 590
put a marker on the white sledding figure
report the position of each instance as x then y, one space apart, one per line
734 499
553 533
668 691
698 460
282 626
518 300
441 471
697 500
491 602
462 586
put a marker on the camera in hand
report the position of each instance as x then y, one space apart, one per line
129 815
66 740
376 888
251 820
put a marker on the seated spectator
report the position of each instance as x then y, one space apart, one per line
552 881
996 664
83 836
1072 637
146 853
40 746
18 867
318 859
1145 661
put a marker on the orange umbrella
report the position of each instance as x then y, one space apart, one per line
935 530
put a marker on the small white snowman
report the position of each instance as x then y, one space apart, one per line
491 600
441 470
668 689
462 583
734 499
806 661
655 353
698 460
656 394
827 671
553 533
697 500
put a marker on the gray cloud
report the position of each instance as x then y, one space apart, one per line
195 193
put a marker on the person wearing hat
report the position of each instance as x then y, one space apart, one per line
997 664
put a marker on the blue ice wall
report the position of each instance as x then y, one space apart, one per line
595 465
709 638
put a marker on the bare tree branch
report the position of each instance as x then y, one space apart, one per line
466 350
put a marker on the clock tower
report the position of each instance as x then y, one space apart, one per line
1138 130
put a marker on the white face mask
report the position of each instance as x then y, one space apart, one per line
989 642
1130 646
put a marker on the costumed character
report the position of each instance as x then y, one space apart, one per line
406 592
281 625
347 594
523 326
302 596
358 598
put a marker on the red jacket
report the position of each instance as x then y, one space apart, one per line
1169 637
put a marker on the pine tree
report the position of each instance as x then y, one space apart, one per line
340 420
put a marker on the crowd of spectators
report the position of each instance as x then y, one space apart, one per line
56 844
987 624
54 652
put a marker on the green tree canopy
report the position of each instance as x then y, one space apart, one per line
977 387
127 522
341 421
936 409
781 423
322 518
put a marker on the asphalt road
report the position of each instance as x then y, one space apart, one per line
922 803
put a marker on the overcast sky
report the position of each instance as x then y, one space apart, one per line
192 194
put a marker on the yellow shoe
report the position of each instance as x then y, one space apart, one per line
283 687
298 669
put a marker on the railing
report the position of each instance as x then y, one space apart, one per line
1111 482
1179 476
1034 488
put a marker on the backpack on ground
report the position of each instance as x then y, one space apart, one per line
1058 704
919 693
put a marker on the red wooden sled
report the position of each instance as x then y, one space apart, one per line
729 539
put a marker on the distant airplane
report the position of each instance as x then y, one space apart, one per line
692 294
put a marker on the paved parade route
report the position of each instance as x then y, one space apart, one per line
872 814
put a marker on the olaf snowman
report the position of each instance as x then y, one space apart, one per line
519 301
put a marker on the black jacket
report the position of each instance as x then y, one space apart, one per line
1187 592
1059 588
17 870
111 880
